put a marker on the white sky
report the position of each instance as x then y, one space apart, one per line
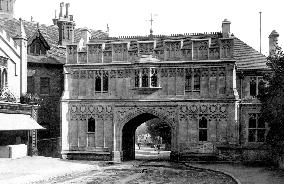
129 17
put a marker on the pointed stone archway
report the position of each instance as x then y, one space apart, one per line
126 125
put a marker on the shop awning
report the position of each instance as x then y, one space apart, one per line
17 122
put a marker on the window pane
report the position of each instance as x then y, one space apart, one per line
251 136
252 122
203 135
222 85
154 77
253 87
136 78
203 123
145 78
98 84
91 125
145 81
196 82
105 83
188 82
154 81
260 135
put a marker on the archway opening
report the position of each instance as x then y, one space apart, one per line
158 143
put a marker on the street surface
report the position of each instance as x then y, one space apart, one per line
150 167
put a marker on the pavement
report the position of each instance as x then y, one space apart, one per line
38 168
34 169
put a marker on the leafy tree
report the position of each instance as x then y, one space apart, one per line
157 128
271 94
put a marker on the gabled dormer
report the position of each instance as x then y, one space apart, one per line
37 45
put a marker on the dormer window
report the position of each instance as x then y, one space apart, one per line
146 78
37 45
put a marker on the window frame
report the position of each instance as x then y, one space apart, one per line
257 80
143 77
256 129
93 127
41 86
202 129
103 78
198 77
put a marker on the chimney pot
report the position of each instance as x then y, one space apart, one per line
67 5
61 9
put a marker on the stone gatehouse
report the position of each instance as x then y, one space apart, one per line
201 85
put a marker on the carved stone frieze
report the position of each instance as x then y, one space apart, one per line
211 111
85 111
180 72
75 74
172 72
164 72
83 74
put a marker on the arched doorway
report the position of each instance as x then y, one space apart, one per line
128 134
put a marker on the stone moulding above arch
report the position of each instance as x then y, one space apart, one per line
167 114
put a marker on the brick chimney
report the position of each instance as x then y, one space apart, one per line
66 26
226 28
273 42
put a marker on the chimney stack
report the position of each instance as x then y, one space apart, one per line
273 42
67 5
61 9
226 28
85 35
66 26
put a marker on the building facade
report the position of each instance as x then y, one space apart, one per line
17 121
45 56
201 85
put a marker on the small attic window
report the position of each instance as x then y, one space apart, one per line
37 45
37 48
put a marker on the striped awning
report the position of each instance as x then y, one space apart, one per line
17 122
